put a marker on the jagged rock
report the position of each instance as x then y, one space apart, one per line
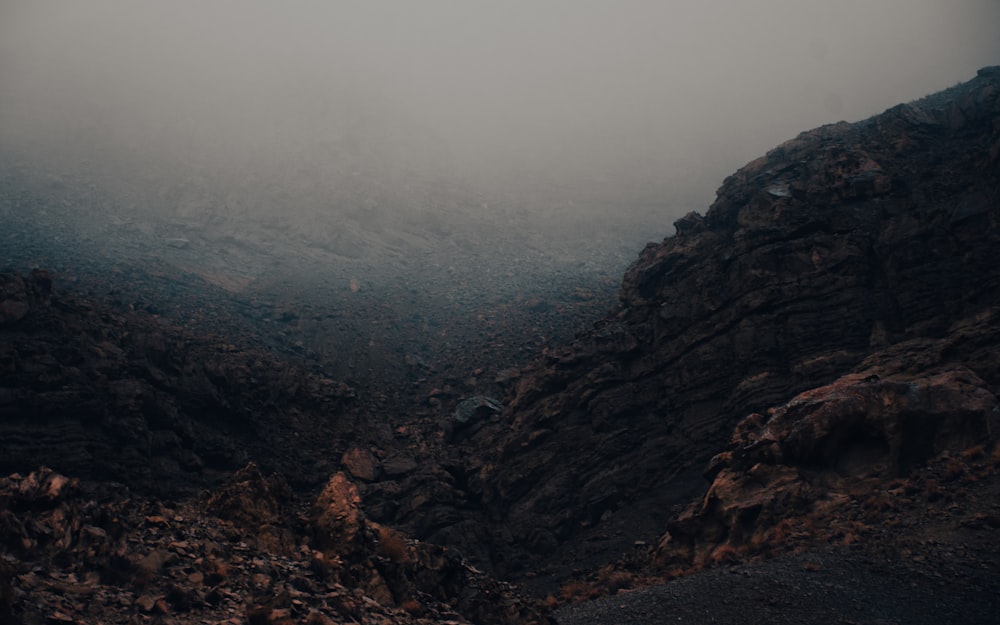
44 485
814 450
474 409
337 517
470 415
848 239
258 504
109 556
107 395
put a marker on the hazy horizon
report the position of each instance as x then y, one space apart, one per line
656 101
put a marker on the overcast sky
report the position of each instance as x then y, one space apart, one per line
572 88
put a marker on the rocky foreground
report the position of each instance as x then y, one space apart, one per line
808 372
245 553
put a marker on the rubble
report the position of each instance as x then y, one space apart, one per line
76 552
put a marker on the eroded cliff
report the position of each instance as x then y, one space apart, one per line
845 241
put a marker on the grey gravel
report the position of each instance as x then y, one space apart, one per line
847 587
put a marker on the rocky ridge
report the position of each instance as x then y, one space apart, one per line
850 242
860 441
99 393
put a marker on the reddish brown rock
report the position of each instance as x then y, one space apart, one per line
824 446
263 506
337 518
361 464
187 565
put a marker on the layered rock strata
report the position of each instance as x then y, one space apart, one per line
124 396
845 241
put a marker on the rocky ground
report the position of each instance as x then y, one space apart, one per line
833 585
244 553
921 549
789 415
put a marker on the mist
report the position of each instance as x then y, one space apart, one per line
636 108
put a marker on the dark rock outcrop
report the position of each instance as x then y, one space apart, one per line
124 396
847 240
801 461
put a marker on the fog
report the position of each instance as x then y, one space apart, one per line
631 103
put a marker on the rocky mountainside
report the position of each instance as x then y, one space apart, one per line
157 511
866 249
124 396
812 364
474 281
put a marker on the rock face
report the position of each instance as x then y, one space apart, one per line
843 242
828 445
126 397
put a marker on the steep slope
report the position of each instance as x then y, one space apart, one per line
107 394
80 552
830 326
139 417
844 241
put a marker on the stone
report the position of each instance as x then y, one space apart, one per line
146 603
474 409
13 299
337 517
361 464
398 466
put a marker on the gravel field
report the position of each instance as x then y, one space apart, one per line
842 586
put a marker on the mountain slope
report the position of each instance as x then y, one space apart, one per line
844 241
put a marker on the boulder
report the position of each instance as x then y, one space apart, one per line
474 409
337 519
361 464
261 505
